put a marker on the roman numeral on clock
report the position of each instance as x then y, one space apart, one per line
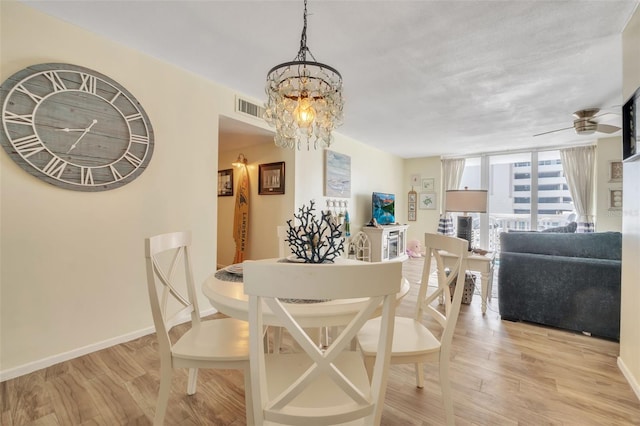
35 98
86 177
28 145
12 117
56 81
89 83
55 167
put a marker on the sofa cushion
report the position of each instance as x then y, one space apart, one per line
598 245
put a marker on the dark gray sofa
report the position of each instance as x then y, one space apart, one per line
565 280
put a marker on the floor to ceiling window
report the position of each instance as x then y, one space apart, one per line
527 191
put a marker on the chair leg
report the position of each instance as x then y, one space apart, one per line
248 397
192 383
445 386
277 339
163 393
419 375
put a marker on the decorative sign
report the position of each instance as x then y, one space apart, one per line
413 200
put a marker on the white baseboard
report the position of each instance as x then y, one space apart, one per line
30 367
627 374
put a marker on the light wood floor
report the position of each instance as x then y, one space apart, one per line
503 373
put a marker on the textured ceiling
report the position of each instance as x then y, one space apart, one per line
421 78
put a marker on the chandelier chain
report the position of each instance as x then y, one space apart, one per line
302 53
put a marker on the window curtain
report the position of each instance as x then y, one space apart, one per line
579 169
452 170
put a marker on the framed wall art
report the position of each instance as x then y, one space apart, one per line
225 183
615 199
271 178
427 201
615 171
429 184
337 175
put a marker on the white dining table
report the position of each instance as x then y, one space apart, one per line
225 291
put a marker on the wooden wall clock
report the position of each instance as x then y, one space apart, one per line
74 127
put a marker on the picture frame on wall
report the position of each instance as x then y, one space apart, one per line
225 183
271 178
429 184
615 199
428 201
337 172
412 216
615 171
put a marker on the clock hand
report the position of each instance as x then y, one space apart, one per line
66 129
82 135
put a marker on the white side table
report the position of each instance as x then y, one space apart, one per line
477 263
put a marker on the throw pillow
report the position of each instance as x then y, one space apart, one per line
570 228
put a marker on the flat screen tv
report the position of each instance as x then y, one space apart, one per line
630 131
383 208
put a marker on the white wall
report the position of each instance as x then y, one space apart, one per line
371 170
72 263
607 150
426 220
629 360
72 275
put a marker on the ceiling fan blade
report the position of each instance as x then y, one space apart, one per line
607 128
553 131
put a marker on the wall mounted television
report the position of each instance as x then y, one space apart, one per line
383 208
630 131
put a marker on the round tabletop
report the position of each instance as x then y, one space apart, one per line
225 291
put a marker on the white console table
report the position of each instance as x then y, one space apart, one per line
389 242
480 263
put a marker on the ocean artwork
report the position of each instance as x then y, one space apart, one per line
337 175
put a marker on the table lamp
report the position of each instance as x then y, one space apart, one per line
466 201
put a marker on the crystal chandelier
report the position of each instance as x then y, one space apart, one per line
305 99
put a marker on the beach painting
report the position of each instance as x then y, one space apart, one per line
337 175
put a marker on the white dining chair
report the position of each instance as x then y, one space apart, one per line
283 251
283 245
413 342
220 343
318 386
277 332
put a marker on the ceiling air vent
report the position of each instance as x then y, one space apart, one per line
248 108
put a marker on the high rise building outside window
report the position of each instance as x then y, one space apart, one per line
527 191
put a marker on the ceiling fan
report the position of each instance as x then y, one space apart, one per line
586 123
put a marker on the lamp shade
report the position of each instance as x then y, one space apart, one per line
466 200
